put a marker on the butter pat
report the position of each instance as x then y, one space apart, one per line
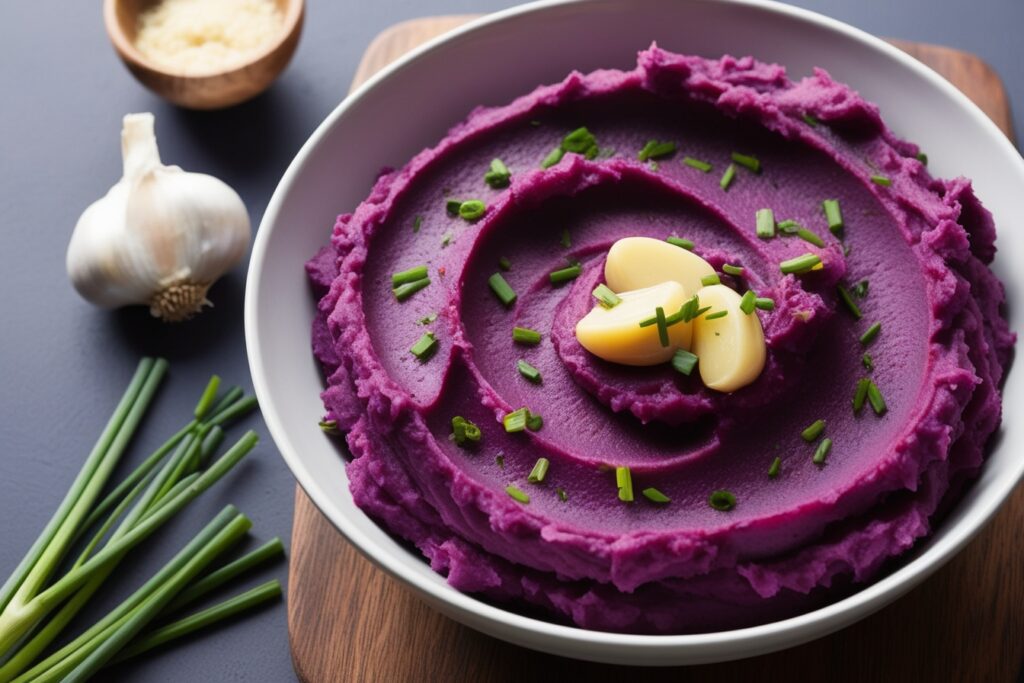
615 335
640 262
730 350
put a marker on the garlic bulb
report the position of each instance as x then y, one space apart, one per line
160 236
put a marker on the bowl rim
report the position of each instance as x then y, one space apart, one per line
794 630
290 23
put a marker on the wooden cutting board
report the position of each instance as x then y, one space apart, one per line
349 621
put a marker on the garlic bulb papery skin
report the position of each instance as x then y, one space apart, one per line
160 237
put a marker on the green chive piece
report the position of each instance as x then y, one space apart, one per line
765 224
733 270
504 264
329 426
789 227
655 496
502 290
684 361
566 239
922 157
517 495
452 206
524 335
810 120
499 460
539 471
562 495
565 274
727 177
427 319
406 276
528 371
833 215
659 314
776 466
881 180
591 152
656 150
868 362
702 166
534 123
848 301
808 236
417 223
624 481
722 500
748 301
553 157
680 242
764 303
425 347
870 334
464 432
821 452
800 264
875 399
578 140
712 279
403 292
716 315
533 421
690 309
746 161
813 431
606 297
860 290
499 176
472 209
515 421
446 239
860 395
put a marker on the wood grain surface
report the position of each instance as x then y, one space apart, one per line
349 621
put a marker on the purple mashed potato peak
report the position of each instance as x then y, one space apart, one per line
792 541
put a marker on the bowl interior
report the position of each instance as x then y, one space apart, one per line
507 54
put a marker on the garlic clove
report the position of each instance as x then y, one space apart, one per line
639 262
730 350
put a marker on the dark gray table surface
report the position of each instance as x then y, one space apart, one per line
63 363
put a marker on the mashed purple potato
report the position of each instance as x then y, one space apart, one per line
791 542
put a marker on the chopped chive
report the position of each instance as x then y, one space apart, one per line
659 314
515 421
504 264
712 279
533 421
591 152
848 301
403 292
684 361
800 264
528 371
539 471
764 303
689 309
716 315
680 242
875 398
732 270
870 334
821 452
606 297
425 347
722 500
922 157
562 495
656 150
499 176
727 177
499 460
748 301
472 209
702 166
860 290
773 471
868 362
446 239
417 223
810 120
701 311
765 224
501 289
881 180
813 431
578 140
789 227
534 122
566 239
860 395
427 319
624 482
565 274
406 276
747 161
553 157
464 432
524 335
329 426
833 215
808 236
517 495
655 496
452 206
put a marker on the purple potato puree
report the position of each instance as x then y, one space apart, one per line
792 542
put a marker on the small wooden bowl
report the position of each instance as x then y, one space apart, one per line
207 91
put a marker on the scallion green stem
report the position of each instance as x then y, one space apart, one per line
272 549
206 400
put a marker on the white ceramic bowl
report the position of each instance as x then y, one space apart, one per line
410 105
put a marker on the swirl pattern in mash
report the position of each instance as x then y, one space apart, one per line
793 541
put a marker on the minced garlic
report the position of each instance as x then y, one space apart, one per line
198 37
